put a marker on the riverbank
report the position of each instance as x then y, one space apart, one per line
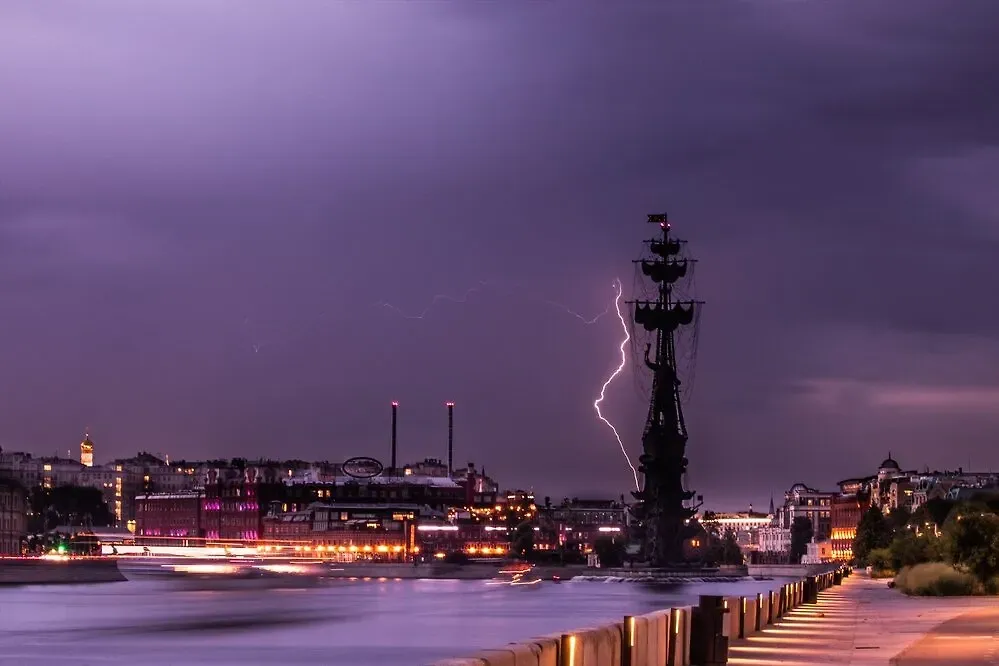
441 571
678 636
865 623
36 571
484 571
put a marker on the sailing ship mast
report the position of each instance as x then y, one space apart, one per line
663 510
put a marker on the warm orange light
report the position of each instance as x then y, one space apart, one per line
383 549
367 549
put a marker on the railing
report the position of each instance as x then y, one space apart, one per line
697 635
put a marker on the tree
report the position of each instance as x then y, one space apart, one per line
938 510
972 541
908 549
898 519
522 541
67 505
873 532
609 551
730 551
801 535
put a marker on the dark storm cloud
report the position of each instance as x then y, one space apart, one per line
202 204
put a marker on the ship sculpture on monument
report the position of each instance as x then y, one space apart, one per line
664 504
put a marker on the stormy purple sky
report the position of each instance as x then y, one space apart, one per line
203 202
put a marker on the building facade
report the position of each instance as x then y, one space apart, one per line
176 515
800 501
847 510
13 516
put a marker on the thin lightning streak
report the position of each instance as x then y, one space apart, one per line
434 301
586 320
613 376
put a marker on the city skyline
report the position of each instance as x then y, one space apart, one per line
198 240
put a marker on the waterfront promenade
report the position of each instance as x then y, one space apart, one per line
864 623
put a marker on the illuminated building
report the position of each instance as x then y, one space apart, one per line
578 523
437 492
480 490
236 500
348 532
800 501
476 540
87 451
169 514
847 510
13 516
744 526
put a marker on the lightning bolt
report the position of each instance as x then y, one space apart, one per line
434 301
588 321
613 376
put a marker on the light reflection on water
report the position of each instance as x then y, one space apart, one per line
360 623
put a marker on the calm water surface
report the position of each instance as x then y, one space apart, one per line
356 623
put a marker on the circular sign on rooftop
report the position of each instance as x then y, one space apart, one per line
362 467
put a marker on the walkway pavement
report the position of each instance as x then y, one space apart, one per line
864 623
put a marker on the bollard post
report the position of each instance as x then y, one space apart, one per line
758 622
708 644
628 640
672 637
567 650
811 590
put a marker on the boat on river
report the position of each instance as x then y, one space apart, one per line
517 575
222 574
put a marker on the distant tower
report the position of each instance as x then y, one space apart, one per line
450 439
87 450
395 415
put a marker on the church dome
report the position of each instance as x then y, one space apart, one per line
888 463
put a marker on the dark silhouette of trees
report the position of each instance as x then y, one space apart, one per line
801 535
67 505
522 541
610 551
873 532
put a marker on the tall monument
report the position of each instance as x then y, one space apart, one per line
663 501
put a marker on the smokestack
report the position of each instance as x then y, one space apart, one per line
395 416
450 439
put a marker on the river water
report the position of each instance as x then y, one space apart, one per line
355 623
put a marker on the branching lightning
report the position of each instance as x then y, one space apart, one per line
603 389
622 347
586 320
433 302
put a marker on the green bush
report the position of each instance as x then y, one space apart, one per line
935 579
880 561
